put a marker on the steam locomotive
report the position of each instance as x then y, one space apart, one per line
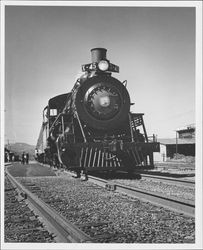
91 128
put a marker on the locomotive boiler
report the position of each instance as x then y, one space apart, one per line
92 128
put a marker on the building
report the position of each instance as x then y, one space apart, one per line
184 144
10 156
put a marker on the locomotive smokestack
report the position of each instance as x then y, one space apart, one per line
98 54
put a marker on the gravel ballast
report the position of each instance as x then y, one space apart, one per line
112 217
169 190
21 224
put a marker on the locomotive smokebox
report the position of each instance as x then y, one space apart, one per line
98 54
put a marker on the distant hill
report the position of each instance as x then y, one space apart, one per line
20 147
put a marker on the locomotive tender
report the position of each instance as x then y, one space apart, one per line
91 128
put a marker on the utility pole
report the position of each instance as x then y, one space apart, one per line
8 144
176 144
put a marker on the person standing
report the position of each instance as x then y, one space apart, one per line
23 158
27 158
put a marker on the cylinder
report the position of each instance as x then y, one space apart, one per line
98 54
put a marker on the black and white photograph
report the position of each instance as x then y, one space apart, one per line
101 125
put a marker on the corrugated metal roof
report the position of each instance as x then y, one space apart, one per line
168 141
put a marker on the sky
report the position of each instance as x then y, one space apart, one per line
45 47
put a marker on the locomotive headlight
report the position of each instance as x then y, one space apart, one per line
104 101
103 65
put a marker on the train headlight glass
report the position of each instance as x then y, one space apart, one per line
103 65
104 101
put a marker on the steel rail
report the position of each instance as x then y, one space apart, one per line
177 205
171 180
65 231
6 164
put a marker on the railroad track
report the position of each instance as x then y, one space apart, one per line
169 180
178 205
96 212
64 230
